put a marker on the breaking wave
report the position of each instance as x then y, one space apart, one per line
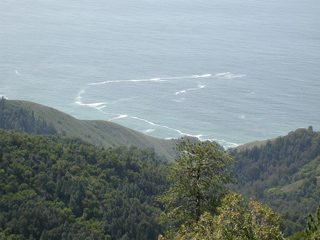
126 116
153 79
228 75
190 89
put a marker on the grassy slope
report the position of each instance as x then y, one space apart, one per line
100 133
251 145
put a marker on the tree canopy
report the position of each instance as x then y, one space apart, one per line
54 187
198 183
237 219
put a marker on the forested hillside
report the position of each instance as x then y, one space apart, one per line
284 174
33 118
54 187
73 189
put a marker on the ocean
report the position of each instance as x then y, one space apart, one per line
232 71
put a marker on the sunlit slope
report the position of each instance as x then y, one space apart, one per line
100 133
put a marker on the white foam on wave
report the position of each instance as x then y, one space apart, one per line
189 77
153 79
149 130
179 92
203 76
229 75
120 116
98 105
16 71
179 100
169 128
130 80
79 97
221 142
190 89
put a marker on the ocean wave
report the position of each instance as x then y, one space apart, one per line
229 75
155 126
149 130
120 116
130 80
189 77
200 86
79 97
200 136
179 100
157 79
98 105
169 128
179 92
202 76
222 142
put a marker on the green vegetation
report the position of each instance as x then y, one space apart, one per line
33 118
195 207
58 187
199 177
54 187
284 174
312 231
313 228
237 219
22 120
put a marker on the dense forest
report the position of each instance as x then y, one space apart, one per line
284 174
54 187
61 187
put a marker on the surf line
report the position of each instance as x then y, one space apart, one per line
229 75
97 106
222 142
100 106
155 125
154 79
191 89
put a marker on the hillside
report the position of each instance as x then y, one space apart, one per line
284 174
54 187
33 118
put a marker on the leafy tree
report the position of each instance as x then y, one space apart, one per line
237 220
282 173
313 228
54 187
199 176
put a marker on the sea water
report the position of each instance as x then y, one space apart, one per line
233 71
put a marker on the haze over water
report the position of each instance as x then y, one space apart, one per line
226 70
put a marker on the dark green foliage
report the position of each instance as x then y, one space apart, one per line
54 187
15 117
199 176
312 231
284 174
313 228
